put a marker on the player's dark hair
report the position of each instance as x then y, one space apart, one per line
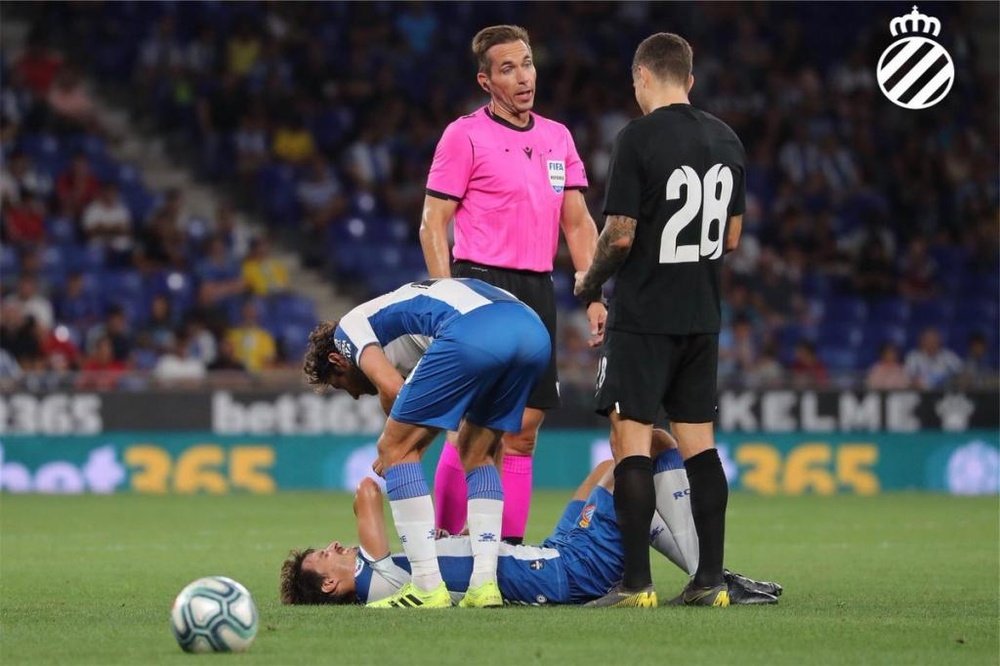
667 56
489 37
316 362
304 587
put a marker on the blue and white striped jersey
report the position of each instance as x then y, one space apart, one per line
526 574
405 321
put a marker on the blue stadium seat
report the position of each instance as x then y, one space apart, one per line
844 309
839 359
936 312
895 311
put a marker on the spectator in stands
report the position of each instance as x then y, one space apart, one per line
293 142
18 336
38 65
808 370
160 326
918 272
201 344
218 115
32 302
101 370
243 48
162 243
76 305
107 223
232 230
226 360
10 371
115 327
219 275
931 365
20 177
250 142
766 372
24 221
178 366
59 350
977 371
76 187
253 346
888 373
72 104
264 275
322 202
873 274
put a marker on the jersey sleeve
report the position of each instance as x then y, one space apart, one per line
452 166
624 187
377 579
576 172
353 334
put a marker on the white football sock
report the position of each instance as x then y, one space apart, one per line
672 531
485 521
414 518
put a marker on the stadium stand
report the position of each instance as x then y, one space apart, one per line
862 229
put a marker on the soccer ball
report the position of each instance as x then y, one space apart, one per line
214 614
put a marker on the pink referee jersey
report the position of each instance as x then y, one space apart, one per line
509 182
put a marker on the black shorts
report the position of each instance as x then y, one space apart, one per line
640 372
536 291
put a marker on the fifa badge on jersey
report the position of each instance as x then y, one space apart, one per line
915 72
557 175
586 515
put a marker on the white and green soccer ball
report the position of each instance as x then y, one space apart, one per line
214 614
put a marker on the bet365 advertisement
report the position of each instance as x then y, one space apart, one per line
770 464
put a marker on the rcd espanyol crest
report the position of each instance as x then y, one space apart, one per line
915 72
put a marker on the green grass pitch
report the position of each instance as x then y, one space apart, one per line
892 579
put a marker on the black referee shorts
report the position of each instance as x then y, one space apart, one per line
536 291
640 372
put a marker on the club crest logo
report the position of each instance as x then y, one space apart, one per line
915 72
557 175
586 515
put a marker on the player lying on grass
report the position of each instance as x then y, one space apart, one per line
580 561
449 354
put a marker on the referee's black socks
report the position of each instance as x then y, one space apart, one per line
635 502
709 497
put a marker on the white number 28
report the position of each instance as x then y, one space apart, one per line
714 206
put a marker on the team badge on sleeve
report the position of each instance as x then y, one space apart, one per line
557 175
586 515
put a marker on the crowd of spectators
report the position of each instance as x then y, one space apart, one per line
864 221
100 293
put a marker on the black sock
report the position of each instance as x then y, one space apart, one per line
635 502
709 497
514 541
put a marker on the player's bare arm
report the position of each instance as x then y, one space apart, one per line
437 215
382 374
613 247
580 232
371 519
733 231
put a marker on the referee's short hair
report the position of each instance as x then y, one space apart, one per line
666 55
489 37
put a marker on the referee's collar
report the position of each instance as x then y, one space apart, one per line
507 123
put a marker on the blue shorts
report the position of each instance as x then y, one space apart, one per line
482 368
590 546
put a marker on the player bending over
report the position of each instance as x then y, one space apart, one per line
580 561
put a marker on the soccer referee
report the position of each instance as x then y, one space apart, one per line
510 179
674 206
